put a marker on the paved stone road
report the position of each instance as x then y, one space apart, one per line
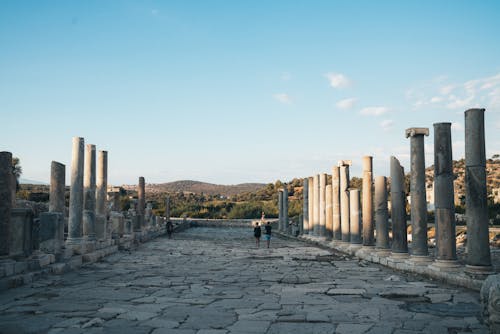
211 281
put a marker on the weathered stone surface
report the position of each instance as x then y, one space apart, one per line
6 186
57 198
75 228
398 208
367 202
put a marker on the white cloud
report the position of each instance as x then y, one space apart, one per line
386 124
285 76
338 80
446 89
374 111
346 103
456 102
283 98
437 99
457 126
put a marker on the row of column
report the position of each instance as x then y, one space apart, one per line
333 211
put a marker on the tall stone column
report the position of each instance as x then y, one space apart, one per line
368 238
398 209
280 210
344 200
57 201
102 182
75 228
354 217
446 248
141 202
305 206
337 234
310 210
316 205
6 185
381 213
322 205
329 211
476 205
286 227
417 192
167 208
89 189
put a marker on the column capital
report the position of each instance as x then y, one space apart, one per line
411 132
344 163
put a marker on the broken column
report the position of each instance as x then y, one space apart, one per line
89 186
354 217
381 213
368 238
286 226
417 192
141 204
344 199
280 210
76 196
305 206
336 233
310 197
476 205
446 249
329 211
6 185
57 201
398 210
316 205
101 194
322 205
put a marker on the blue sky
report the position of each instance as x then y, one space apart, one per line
231 91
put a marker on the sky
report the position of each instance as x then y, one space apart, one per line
230 92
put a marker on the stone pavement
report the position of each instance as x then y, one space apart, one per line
214 280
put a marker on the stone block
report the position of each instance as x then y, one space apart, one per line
51 232
100 227
21 242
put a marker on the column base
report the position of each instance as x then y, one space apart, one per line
383 251
445 265
419 260
398 256
479 270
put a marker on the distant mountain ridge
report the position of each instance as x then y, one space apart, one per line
198 187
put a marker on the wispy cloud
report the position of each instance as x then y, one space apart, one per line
374 111
479 92
386 124
338 80
283 98
457 126
346 104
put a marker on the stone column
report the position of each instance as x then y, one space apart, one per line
89 188
305 206
57 201
337 234
344 199
368 238
476 205
101 222
322 205
116 202
76 193
167 208
141 203
354 217
329 211
316 205
311 204
398 209
6 185
102 182
286 227
417 192
280 210
446 248
381 213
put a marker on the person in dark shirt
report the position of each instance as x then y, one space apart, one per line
256 233
267 233
170 229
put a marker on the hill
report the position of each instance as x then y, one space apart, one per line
197 187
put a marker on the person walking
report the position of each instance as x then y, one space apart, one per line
257 233
170 229
267 233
